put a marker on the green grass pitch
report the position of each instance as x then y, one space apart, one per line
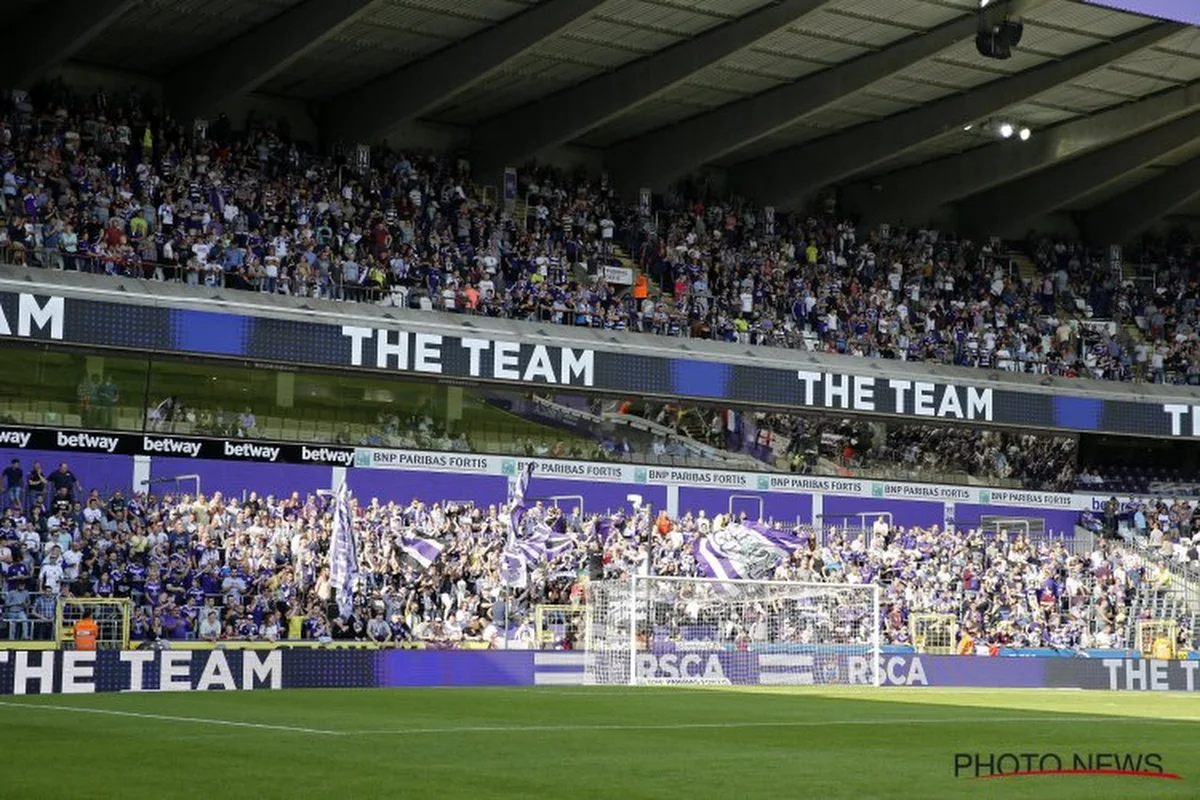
585 742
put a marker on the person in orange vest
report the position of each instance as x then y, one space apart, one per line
663 524
641 287
86 632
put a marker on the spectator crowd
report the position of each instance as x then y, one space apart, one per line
223 568
112 184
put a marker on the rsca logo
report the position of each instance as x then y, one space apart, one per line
689 666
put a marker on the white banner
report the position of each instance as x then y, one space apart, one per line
621 275
719 479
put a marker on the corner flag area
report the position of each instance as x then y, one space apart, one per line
609 742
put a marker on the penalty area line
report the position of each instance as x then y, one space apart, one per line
228 723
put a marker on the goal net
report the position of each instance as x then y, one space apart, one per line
1156 638
669 630
110 615
934 633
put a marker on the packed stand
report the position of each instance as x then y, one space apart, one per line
1170 527
1040 462
216 568
108 184
111 185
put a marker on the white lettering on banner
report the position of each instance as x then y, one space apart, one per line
500 360
259 452
428 357
217 674
15 438
1149 674
505 365
1178 412
942 401
326 455
896 671
689 665
78 672
24 673
171 446
268 671
174 668
31 315
137 660
857 393
34 671
87 441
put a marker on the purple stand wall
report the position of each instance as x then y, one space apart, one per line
403 486
232 478
904 512
782 507
1061 522
102 472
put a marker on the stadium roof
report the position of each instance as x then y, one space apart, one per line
789 97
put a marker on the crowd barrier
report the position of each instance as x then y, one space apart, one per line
24 672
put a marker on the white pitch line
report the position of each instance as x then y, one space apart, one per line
170 718
683 726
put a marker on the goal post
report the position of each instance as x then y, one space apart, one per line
555 625
1157 638
662 630
111 616
936 634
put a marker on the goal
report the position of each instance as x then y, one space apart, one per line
672 630
1157 638
934 633
111 616
556 626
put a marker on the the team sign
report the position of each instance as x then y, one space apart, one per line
916 398
485 359
87 672
416 346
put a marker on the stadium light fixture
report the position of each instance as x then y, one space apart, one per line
1006 130
1025 134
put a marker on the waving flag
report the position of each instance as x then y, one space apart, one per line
423 551
738 551
343 553
516 499
515 558
550 542
514 568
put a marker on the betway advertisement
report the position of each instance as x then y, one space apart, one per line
428 465
172 445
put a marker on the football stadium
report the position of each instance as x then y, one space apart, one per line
622 398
